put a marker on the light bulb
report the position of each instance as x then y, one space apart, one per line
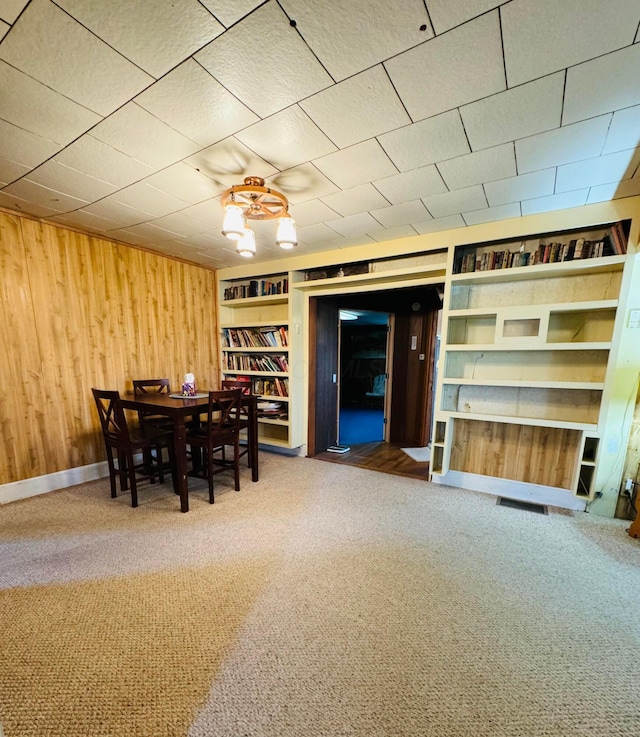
286 237
247 244
233 225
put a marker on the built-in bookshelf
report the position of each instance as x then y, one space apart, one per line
528 328
267 286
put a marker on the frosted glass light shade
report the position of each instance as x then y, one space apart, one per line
247 244
233 224
286 236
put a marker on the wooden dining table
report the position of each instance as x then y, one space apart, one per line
179 410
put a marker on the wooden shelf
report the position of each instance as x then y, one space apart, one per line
277 349
511 420
236 372
269 299
480 347
591 385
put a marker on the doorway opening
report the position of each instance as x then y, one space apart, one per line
363 342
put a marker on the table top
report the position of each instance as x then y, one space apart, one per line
173 407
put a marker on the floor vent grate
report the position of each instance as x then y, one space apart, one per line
518 504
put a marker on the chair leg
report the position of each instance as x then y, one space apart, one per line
132 480
208 459
236 462
123 471
112 472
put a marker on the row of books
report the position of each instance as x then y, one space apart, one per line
255 337
275 387
257 288
244 362
547 253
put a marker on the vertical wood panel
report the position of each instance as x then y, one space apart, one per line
80 311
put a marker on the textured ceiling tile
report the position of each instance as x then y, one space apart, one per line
207 213
19 204
137 133
438 224
403 214
144 197
178 222
615 190
356 165
391 234
121 214
62 178
229 12
310 213
603 85
446 14
460 200
11 9
152 231
450 70
185 183
543 36
70 59
4 27
286 139
11 170
478 167
44 196
228 162
154 35
488 215
319 233
354 224
361 107
624 131
604 169
334 29
101 161
81 219
30 105
426 142
562 146
353 201
302 183
523 111
523 187
24 147
411 185
190 100
555 202
282 53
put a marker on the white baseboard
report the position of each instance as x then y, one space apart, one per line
538 494
52 481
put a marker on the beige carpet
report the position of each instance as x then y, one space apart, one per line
324 600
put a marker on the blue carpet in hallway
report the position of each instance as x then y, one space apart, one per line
360 425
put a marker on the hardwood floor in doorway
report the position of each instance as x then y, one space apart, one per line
383 457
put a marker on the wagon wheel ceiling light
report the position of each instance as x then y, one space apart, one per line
253 201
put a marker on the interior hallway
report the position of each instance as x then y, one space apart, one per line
383 457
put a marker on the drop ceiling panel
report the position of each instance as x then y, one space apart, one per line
11 9
30 105
461 66
144 197
478 167
357 164
604 169
185 183
154 35
555 202
207 213
139 134
524 111
21 205
543 36
489 214
438 224
321 234
24 147
70 59
605 192
333 29
229 12
358 199
122 215
392 234
44 196
603 85
181 224
190 100
62 178
409 185
81 219
228 162
10 171
460 200
4 27
354 225
311 212
101 161
282 54
358 108
426 142
302 183
403 214
286 139
446 14
562 146
523 187
624 131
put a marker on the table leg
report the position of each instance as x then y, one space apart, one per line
252 439
180 444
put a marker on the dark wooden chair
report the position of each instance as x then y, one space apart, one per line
121 443
245 386
152 386
221 429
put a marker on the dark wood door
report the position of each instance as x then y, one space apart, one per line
323 373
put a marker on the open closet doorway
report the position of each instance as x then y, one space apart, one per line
364 372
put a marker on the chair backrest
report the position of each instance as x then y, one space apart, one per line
112 417
151 386
224 410
231 384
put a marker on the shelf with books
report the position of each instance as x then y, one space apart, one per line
259 337
258 288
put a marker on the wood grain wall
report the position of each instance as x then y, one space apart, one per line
79 312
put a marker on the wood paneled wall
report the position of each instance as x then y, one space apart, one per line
79 312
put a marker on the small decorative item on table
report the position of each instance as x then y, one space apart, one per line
189 386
